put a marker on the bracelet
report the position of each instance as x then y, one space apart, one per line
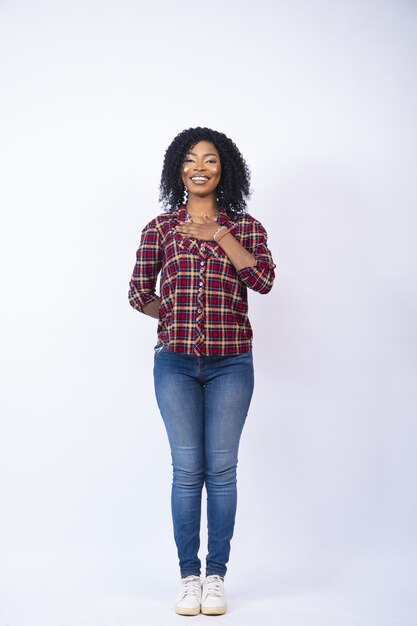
223 236
217 231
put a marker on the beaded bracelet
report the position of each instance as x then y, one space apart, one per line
223 236
217 231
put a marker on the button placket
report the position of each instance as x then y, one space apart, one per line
199 325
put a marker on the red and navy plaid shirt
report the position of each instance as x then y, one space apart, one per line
203 309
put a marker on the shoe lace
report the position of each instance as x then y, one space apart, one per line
213 586
191 586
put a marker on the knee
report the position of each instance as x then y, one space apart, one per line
188 468
221 474
188 478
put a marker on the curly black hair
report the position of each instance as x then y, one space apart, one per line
234 186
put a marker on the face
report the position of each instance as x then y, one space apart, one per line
201 170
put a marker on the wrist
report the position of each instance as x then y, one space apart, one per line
223 234
220 233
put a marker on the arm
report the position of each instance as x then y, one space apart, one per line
253 260
259 277
142 296
238 255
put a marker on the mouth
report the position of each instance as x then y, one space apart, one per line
199 180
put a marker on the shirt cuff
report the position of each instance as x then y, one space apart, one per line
259 278
138 301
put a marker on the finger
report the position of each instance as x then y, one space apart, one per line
183 230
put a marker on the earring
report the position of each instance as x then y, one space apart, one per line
185 195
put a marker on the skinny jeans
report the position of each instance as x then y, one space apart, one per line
204 401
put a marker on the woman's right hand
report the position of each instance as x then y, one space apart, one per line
152 309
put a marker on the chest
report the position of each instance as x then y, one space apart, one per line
185 255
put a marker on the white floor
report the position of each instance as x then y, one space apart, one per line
363 594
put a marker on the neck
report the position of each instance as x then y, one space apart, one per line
196 205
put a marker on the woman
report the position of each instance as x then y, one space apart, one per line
208 251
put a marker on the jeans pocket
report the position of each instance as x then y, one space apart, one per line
159 347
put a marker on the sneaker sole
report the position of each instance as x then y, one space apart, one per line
184 611
211 610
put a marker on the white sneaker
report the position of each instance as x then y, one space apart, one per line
214 601
189 596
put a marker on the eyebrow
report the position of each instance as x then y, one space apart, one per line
206 154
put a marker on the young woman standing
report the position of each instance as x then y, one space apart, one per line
208 251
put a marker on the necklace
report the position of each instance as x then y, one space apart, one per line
188 218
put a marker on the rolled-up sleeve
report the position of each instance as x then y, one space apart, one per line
261 277
148 264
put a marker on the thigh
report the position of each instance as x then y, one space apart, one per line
227 397
180 399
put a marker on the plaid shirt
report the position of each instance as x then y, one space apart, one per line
203 309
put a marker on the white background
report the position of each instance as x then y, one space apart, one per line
320 97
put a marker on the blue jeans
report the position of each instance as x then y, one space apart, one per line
204 402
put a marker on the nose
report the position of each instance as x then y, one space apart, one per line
199 165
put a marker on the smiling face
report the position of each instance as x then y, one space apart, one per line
201 170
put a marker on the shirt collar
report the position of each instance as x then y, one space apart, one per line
222 219
182 213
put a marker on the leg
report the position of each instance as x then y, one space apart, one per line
180 400
228 392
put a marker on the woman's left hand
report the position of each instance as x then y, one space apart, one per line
198 231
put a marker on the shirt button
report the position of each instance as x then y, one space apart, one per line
201 283
201 262
199 310
200 289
